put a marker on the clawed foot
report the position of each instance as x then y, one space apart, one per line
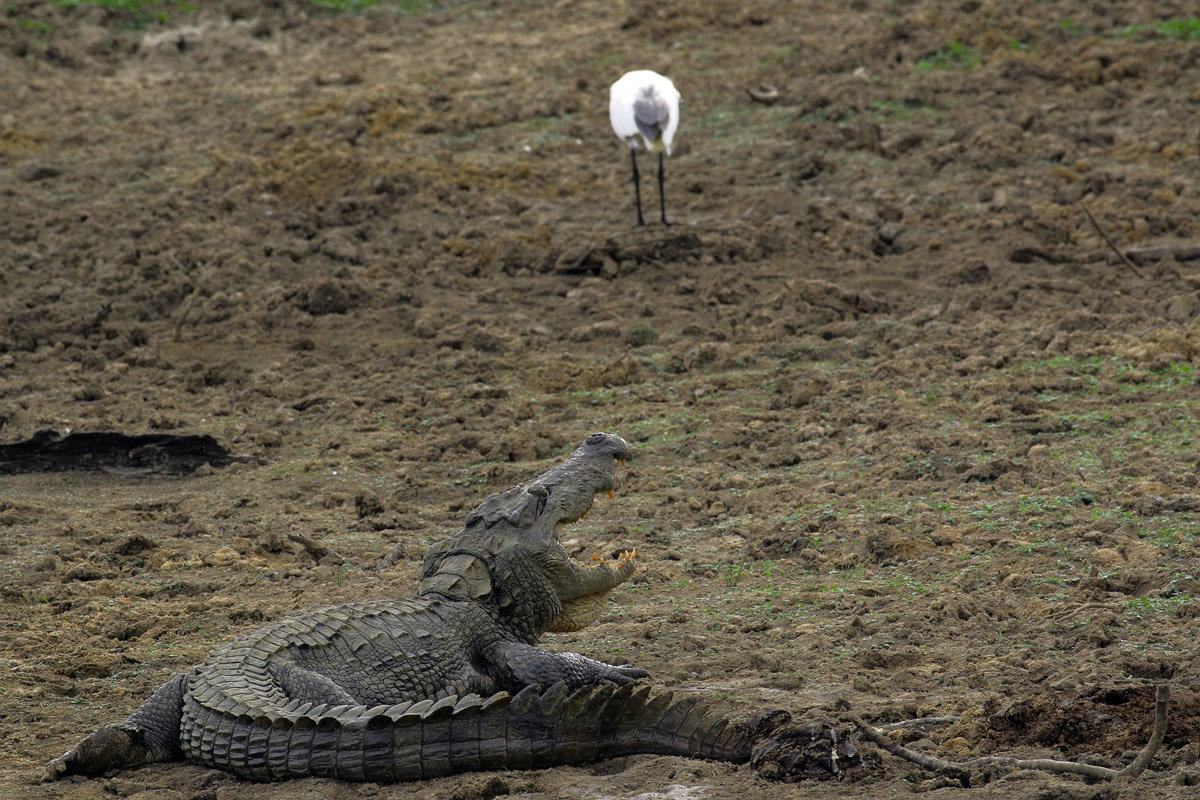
111 747
626 673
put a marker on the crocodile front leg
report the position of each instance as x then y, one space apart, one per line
515 665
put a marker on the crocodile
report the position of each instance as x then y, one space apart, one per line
450 680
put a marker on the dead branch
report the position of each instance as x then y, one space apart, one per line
1162 699
918 722
184 309
1108 239
1161 252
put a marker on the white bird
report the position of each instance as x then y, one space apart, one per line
643 107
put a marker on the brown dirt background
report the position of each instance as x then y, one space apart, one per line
910 440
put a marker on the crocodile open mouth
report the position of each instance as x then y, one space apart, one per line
568 520
580 612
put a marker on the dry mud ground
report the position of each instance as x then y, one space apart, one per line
911 440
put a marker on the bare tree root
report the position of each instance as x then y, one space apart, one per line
1108 240
960 769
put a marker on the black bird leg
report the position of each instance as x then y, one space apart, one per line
637 188
662 200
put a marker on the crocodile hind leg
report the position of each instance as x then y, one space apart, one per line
301 683
149 734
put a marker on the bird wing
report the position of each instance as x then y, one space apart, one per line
651 113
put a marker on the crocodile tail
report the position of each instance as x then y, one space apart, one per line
149 734
532 729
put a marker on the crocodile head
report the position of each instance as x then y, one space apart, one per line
509 556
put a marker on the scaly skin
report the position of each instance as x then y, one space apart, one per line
447 681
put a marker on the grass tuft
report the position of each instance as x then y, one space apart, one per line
954 55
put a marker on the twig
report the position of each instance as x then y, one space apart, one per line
900 751
184 308
1104 235
1179 252
1162 698
919 722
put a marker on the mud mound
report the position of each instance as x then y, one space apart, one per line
1094 720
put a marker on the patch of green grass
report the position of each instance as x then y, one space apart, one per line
1179 30
1179 370
744 125
895 110
955 55
1071 27
136 14
1146 606
1183 30
777 55
1169 534
1071 365
642 334
907 584
34 26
